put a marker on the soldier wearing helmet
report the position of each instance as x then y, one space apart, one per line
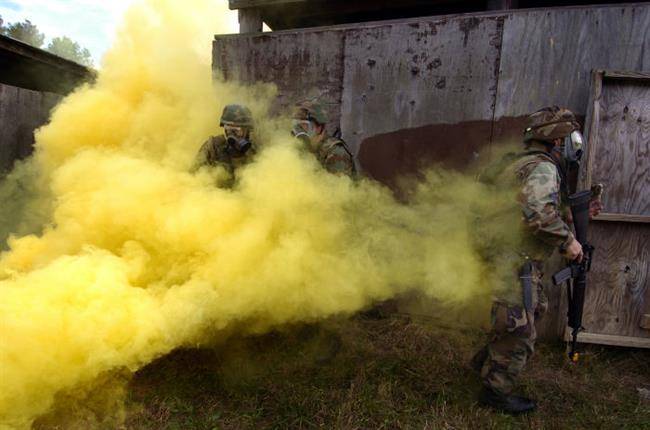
309 120
552 144
234 147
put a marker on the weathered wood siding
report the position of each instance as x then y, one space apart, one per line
402 81
301 64
619 290
619 144
21 113
441 88
403 76
621 156
547 57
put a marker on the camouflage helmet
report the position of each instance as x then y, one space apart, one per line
237 115
310 110
550 123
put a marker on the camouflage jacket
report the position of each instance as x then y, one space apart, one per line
540 199
537 205
215 152
334 155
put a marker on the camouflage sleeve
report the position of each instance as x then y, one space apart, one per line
203 156
338 160
540 201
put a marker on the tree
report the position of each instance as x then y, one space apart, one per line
26 32
3 30
69 49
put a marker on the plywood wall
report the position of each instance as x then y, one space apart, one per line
444 90
21 112
440 89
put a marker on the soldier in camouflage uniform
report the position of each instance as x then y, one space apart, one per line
309 126
234 147
539 175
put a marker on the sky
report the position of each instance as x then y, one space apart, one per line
91 23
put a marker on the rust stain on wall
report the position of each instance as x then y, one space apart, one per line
408 152
387 157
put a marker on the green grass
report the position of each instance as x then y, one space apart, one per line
398 372
390 373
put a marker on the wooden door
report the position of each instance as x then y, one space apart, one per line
617 305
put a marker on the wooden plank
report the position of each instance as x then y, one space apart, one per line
622 147
25 50
624 75
406 76
502 4
607 339
548 55
21 112
591 127
606 216
619 282
242 4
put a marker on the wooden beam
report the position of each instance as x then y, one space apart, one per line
610 339
250 21
634 76
606 216
244 4
22 49
502 4
591 124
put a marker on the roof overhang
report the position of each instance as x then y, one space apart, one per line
25 66
286 14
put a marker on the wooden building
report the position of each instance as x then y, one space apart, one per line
409 87
32 81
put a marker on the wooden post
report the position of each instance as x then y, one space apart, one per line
502 4
250 20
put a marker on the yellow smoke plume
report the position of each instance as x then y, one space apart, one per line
138 256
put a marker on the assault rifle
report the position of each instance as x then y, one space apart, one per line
575 274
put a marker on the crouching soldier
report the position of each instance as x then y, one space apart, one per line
309 120
232 149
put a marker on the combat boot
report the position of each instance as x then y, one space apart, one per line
509 404
476 363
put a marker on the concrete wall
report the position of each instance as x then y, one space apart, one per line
21 112
411 92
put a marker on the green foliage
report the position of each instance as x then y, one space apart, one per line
61 46
69 49
26 32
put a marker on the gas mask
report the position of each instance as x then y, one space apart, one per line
570 151
573 147
237 139
305 131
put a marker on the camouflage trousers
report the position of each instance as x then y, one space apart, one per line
513 336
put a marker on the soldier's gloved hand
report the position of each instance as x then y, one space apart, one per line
596 203
573 251
595 207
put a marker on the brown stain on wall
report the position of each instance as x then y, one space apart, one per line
408 152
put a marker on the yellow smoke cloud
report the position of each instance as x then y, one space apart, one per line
139 257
